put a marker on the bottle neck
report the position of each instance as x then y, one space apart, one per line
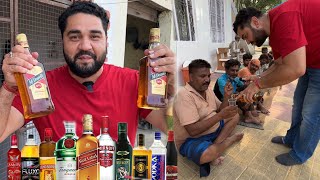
122 137
27 50
13 146
87 131
153 45
104 130
48 138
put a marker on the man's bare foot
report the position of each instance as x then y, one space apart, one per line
235 138
254 113
249 118
218 161
262 109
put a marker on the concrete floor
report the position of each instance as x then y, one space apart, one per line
253 156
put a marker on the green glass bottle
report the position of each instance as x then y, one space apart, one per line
65 153
123 154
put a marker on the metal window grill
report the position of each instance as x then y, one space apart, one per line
216 10
184 20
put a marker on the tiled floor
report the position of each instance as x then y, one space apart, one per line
253 156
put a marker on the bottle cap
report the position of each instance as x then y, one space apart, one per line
87 122
22 40
105 122
122 127
14 140
157 135
170 135
47 132
154 35
141 140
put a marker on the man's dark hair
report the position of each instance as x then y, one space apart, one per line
247 56
264 56
197 64
86 8
230 63
244 16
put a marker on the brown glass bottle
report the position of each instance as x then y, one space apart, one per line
152 85
256 97
47 159
33 87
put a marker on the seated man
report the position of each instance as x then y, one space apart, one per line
246 59
202 124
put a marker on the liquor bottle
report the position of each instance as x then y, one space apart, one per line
152 91
33 87
158 162
47 159
107 148
87 152
256 97
141 160
172 158
30 159
14 160
123 154
65 153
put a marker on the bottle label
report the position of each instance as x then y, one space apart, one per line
158 165
106 155
47 168
87 159
172 172
14 167
37 83
140 164
66 168
158 82
123 167
30 168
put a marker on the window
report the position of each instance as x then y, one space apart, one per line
183 17
216 10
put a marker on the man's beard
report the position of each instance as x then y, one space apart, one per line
85 70
260 36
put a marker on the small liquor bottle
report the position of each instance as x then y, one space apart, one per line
30 160
141 160
152 85
172 168
14 160
47 159
33 87
123 154
158 162
107 148
87 152
65 153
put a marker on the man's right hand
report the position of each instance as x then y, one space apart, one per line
20 62
228 112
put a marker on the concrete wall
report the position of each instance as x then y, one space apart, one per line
203 47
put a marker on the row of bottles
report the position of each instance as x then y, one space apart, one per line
92 158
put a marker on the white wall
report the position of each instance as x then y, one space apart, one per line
117 31
203 48
164 3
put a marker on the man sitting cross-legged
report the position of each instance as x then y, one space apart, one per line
202 124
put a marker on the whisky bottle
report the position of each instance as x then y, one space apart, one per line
47 159
172 158
87 152
30 160
107 148
152 91
65 153
158 162
123 154
14 160
141 160
33 87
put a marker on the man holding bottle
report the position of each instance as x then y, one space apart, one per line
113 90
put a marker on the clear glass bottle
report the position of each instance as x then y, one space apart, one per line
107 150
152 92
33 87
158 162
65 153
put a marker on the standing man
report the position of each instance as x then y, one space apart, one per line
294 35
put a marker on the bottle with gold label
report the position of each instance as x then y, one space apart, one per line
47 159
152 85
30 159
33 87
141 160
87 152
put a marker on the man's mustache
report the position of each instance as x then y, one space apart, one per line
81 53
